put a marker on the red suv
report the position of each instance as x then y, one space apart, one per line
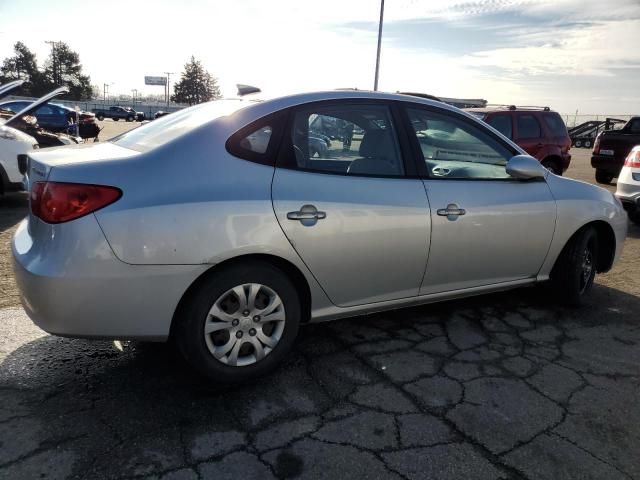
538 130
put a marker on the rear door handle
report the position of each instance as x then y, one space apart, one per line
308 215
452 212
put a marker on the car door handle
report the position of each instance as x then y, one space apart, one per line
452 210
308 215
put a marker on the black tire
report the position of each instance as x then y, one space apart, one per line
575 269
604 177
587 144
635 216
115 119
553 166
189 329
129 118
100 117
578 143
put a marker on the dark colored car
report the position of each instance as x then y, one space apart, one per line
115 113
160 113
612 147
58 118
140 116
538 130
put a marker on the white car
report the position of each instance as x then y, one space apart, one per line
12 143
628 190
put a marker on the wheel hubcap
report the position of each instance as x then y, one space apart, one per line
244 324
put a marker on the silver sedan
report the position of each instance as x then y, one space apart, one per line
224 227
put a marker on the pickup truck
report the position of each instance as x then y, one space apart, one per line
612 147
115 113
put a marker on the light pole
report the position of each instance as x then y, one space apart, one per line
105 92
375 82
134 94
168 74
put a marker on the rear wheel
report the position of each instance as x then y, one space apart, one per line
578 143
100 117
587 144
604 177
575 269
240 323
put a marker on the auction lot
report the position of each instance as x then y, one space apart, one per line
500 386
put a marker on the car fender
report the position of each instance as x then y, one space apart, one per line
549 151
578 204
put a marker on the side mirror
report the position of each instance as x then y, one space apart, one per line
525 167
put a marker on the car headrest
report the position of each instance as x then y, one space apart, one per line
376 143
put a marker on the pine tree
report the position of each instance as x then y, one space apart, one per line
196 85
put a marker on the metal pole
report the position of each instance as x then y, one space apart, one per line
375 83
168 83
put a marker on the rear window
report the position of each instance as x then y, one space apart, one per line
554 123
167 128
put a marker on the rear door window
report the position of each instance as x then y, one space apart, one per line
528 126
502 123
554 123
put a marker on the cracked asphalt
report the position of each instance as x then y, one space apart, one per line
502 386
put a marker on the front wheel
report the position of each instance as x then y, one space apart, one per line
115 119
604 177
240 323
100 117
129 118
552 166
575 269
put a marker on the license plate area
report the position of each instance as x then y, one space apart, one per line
607 152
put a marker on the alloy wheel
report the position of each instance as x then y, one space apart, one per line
587 268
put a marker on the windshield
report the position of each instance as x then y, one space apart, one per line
169 127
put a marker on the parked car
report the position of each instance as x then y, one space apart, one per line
115 113
611 149
628 185
139 116
160 113
58 118
13 142
185 228
540 131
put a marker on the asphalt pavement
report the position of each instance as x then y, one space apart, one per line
508 385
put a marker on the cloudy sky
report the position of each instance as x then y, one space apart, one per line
570 54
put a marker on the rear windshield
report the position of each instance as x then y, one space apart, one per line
555 124
169 127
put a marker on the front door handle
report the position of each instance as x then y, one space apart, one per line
308 215
452 212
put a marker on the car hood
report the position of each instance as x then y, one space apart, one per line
13 134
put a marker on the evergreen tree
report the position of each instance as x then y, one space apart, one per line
196 85
63 68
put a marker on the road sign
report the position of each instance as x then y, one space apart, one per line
155 80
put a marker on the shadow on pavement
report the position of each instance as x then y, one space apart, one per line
13 208
500 385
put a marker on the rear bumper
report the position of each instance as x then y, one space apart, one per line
629 195
606 163
71 284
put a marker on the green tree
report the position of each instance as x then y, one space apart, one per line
63 68
23 66
196 85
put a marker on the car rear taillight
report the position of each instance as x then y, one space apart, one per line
596 145
56 202
633 159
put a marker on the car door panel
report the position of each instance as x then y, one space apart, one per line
504 234
373 243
